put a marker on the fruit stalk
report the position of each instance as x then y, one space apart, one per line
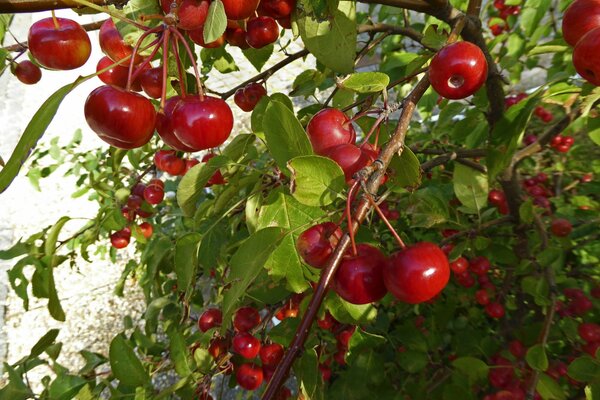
27 6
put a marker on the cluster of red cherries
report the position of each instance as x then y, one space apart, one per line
581 29
538 188
540 112
504 12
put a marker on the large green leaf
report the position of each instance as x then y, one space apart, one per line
216 22
307 371
472 367
532 14
186 259
259 57
44 342
15 389
193 183
470 187
65 387
549 389
585 369
366 82
536 357
179 351
125 365
405 171
316 181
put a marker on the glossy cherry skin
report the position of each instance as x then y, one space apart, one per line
261 31
173 165
316 244
248 97
122 119
479 265
63 48
151 81
277 8
417 273
359 278
191 13
581 17
112 43
460 265
121 239
271 354
146 229
217 178
586 57
154 194
240 9
197 36
246 345
589 332
27 72
246 318
329 128
561 227
458 70
165 129
236 37
202 124
209 319
249 376
160 157
116 76
349 157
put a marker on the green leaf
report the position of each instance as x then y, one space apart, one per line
92 360
17 250
593 127
193 183
258 57
125 365
51 239
285 136
16 388
433 39
43 343
64 387
332 40
307 371
366 82
532 15
549 389
470 187
316 181
405 171
246 263
472 367
413 361
186 260
216 22
179 351
585 369
218 58
536 357
526 211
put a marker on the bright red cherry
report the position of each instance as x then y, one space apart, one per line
458 70
154 194
59 43
581 17
459 266
417 273
586 57
122 119
240 9
329 128
316 244
246 345
191 13
209 319
152 81
116 76
589 332
277 8
327 322
496 197
479 265
165 128
359 278
271 354
344 337
146 229
217 178
349 157
160 157
112 43
27 72
174 165
561 227
246 318
248 97
261 31
120 239
202 124
249 376
495 310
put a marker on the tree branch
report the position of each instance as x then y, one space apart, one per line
392 29
415 5
23 45
28 6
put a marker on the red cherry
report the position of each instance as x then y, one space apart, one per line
496 197
271 354
197 37
587 178
581 17
459 266
165 128
325 372
359 278
248 97
499 4
589 332
417 273
146 229
209 319
458 70
174 165
316 244
329 128
561 227
517 349
191 163
277 8
190 13
116 76
249 376
261 31
529 139
465 279
246 345
586 57
502 374
580 306
217 178
202 124
568 140
135 201
246 318
27 72
349 157
59 43
285 22
120 239
218 347
495 310
482 297
152 80
497 29
327 322
479 265
138 190
236 37
340 357
160 157
113 45
240 9
344 337
154 194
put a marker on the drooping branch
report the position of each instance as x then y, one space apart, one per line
28 6
392 29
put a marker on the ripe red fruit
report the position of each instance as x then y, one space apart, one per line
191 163
120 239
277 8
248 97
160 157
246 345
146 229
561 227
496 197
191 13
197 37
586 57
359 278
417 273
152 80
154 194
517 349
327 322
202 124
581 17
261 31
459 266
495 310
589 332
482 297
209 319
285 22
479 265
138 189
344 337
112 43
218 347
173 165
271 354
591 348
116 76
27 72
236 37
329 128
458 70
165 129
60 43
249 376
217 178
349 157
122 119
135 201
128 213
316 244
240 9
246 318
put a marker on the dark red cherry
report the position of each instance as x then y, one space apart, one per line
152 81
218 347
329 128
202 124
209 319
246 345
59 43
112 43
246 318
316 244
240 9
165 129
479 265
586 57
154 194
328 322
561 227
248 97
417 273
465 279
277 8
191 13
135 201
122 119
249 376
589 331
482 296
517 349
359 278
146 229
236 37
261 31
458 70
27 72
459 266
343 338
285 22
138 189
581 17
271 354
495 310
349 157
197 37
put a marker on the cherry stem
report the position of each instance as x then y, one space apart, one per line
139 68
192 60
165 59
385 220
135 52
55 20
180 71
378 122
351 193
